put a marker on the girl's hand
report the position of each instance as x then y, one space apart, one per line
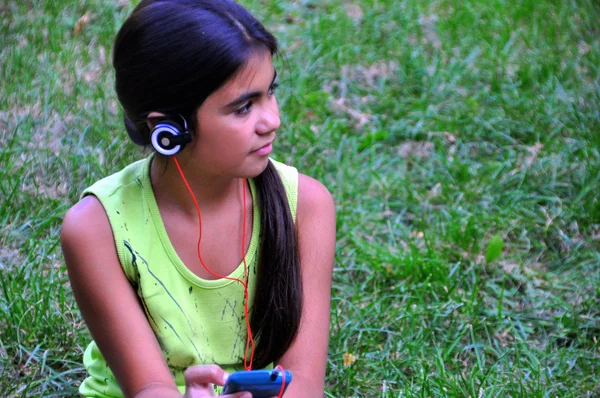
199 381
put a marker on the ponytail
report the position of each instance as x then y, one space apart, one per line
278 300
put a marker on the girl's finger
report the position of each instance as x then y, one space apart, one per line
203 375
238 395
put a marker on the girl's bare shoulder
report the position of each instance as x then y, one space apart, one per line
86 222
314 199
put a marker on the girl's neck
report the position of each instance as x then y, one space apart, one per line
212 191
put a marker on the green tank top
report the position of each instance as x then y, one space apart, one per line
196 321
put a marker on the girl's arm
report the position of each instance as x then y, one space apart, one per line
307 357
109 304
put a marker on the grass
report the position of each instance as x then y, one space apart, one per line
437 126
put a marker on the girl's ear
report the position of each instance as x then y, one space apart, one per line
153 119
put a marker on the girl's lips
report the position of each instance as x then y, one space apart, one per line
265 150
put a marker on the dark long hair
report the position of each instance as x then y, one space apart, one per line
169 56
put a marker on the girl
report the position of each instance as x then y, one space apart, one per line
207 257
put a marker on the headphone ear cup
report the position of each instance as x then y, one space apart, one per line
167 138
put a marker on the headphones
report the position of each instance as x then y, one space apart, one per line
169 137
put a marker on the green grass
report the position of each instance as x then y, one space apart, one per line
437 126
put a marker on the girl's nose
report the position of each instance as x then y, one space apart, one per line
269 121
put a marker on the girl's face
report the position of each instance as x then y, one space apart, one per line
237 123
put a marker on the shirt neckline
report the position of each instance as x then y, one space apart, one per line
157 220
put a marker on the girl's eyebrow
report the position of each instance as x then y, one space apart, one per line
245 97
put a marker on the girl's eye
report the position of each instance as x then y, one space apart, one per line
244 109
273 88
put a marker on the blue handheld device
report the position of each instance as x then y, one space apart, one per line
261 383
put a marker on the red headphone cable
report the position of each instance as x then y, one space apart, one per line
282 380
250 340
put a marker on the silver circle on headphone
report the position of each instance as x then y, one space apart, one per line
159 145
